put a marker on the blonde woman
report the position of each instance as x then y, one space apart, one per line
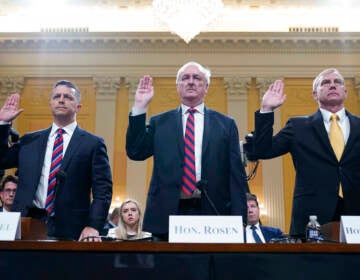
130 222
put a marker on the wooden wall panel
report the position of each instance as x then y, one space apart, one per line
120 157
256 184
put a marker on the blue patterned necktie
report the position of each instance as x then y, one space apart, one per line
56 160
255 235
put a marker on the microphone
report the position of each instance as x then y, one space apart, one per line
60 176
201 185
14 135
247 156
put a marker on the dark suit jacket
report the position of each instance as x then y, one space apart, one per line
271 232
221 165
268 233
318 172
1 209
87 170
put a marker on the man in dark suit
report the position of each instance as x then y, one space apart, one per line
327 180
265 233
69 210
7 192
112 221
218 181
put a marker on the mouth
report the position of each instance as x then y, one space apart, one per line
333 93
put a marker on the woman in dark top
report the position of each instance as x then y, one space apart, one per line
130 223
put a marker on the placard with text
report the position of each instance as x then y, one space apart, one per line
10 225
206 229
350 229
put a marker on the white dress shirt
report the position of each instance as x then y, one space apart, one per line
343 122
41 192
249 234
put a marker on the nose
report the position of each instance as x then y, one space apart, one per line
191 80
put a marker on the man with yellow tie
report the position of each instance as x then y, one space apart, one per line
325 149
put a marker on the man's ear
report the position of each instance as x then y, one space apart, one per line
314 94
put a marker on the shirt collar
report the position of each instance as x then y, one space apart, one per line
199 108
69 129
327 114
257 225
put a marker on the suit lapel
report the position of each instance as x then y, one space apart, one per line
319 128
42 145
354 134
179 131
74 143
205 140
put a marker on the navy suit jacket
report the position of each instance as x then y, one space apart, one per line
268 233
87 170
221 165
271 232
318 172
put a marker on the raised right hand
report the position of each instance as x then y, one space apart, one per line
144 92
10 109
274 97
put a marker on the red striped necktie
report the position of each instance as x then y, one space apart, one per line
56 160
189 176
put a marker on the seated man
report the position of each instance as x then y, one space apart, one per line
256 233
112 221
7 192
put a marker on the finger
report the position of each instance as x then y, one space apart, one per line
278 86
148 81
141 83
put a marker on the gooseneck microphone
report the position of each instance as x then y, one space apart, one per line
202 186
14 136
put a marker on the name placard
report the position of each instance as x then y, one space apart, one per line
10 225
206 229
350 229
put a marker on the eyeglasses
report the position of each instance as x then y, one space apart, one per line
8 191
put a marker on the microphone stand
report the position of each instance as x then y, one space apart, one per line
201 185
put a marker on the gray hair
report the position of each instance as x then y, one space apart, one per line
202 69
319 77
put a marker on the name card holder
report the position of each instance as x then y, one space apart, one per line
350 229
206 229
10 226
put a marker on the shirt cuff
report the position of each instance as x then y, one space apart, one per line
137 111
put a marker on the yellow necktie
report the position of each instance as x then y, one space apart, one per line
336 141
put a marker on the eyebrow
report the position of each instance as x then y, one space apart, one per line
337 80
